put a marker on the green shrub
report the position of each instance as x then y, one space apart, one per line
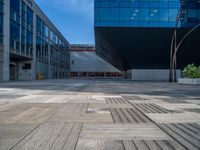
191 71
198 72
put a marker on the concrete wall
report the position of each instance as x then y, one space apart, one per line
89 62
25 74
152 74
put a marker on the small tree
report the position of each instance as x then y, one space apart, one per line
191 71
198 72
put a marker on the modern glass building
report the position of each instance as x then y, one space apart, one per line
30 45
136 34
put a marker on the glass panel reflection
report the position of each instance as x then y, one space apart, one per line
155 13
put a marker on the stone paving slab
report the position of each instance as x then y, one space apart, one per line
193 101
141 131
187 134
11 134
110 105
21 113
178 106
99 115
82 117
99 145
186 117
51 136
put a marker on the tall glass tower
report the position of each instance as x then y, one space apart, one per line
146 13
137 34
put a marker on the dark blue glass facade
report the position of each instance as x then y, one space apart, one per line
1 21
146 13
15 24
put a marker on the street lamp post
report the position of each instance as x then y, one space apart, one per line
175 47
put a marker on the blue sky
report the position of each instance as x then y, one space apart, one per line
73 18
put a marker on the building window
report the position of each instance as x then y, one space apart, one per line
104 14
1 6
134 14
1 28
124 14
144 15
114 14
14 30
163 15
29 19
15 5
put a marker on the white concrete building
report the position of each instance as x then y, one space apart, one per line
85 63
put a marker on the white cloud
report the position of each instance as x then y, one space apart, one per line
84 8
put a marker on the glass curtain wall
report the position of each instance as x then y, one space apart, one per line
1 22
21 19
15 25
143 13
29 32
190 13
42 48
59 54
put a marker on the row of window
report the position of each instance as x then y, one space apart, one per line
56 71
137 0
136 24
1 21
44 32
25 46
96 74
45 37
1 6
41 50
135 14
21 35
26 30
142 4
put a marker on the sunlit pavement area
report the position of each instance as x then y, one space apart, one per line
99 115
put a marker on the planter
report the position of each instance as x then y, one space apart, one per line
40 77
195 81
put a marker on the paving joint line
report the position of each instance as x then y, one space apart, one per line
32 130
25 136
159 126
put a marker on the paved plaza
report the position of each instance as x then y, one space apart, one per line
99 115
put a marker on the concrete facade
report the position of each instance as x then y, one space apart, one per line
195 81
6 41
39 44
152 74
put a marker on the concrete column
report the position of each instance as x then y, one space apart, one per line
6 41
34 76
49 54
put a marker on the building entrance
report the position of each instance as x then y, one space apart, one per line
13 71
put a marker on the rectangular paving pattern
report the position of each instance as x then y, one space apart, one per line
11 134
188 134
51 136
99 115
82 117
179 106
175 118
144 131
